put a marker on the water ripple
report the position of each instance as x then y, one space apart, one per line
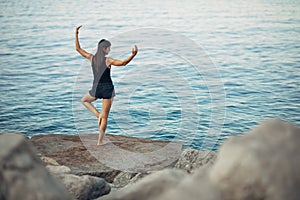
255 50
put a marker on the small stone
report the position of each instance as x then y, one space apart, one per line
191 159
49 161
122 179
58 169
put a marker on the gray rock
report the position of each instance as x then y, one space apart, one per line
191 159
125 178
193 187
137 177
122 179
84 187
261 164
149 187
81 187
22 174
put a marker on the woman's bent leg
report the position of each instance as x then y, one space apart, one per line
87 100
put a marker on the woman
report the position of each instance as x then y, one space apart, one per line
103 87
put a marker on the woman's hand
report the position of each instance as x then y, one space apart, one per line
134 50
77 28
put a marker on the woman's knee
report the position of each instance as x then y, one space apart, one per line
87 99
83 100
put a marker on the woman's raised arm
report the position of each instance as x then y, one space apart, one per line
79 49
126 61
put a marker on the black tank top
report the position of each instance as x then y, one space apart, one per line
101 72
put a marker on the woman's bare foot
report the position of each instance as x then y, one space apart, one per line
103 142
100 143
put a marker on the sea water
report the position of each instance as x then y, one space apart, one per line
253 48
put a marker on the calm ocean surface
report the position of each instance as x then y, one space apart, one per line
254 47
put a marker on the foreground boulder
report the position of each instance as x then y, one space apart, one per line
149 187
261 164
195 186
22 174
81 187
84 187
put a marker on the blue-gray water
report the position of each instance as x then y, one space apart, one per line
254 45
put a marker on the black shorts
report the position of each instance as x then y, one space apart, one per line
103 91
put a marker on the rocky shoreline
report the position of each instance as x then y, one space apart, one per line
261 164
70 151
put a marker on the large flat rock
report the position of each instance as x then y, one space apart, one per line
121 153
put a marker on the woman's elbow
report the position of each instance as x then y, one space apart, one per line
124 63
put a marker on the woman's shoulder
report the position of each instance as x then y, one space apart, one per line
109 58
108 61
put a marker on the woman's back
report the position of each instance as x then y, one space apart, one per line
100 71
